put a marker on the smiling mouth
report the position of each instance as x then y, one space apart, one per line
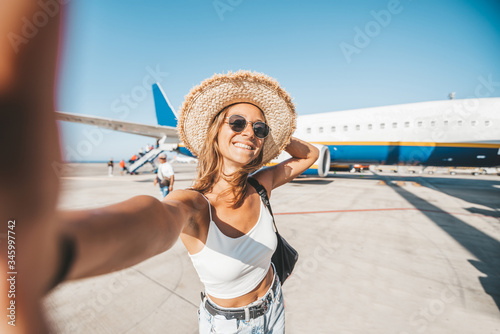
247 147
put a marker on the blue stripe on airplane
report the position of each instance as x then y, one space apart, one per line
415 155
311 171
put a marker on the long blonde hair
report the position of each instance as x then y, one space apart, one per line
210 165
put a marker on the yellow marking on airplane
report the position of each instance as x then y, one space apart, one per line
416 184
381 183
402 143
401 183
333 164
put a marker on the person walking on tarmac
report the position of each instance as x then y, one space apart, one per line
122 166
110 167
165 176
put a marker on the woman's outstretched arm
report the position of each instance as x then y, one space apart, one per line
121 235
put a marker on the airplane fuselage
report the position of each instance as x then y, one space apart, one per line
437 133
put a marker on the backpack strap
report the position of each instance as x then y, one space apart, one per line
263 195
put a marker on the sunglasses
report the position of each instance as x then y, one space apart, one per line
238 123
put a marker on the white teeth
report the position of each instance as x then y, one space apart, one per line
242 146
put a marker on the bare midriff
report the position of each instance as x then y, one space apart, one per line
259 292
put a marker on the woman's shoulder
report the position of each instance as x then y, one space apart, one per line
192 202
185 200
265 179
187 196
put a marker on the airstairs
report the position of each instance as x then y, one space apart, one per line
148 157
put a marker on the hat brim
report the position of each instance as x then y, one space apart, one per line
206 100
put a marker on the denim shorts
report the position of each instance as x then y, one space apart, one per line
273 321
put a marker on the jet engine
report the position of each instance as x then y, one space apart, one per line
322 166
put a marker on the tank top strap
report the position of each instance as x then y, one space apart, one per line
209 206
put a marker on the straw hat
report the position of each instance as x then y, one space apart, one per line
206 100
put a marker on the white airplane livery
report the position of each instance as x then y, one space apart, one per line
458 133
437 133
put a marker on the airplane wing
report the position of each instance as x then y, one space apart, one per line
155 131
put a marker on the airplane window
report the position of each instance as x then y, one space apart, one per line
308 130
420 124
382 125
459 123
358 127
473 123
320 129
487 123
433 123
332 129
445 123
369 126
346 127
394 125
407 124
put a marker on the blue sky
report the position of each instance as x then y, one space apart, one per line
329 55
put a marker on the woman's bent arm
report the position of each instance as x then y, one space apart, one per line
303 156
121 235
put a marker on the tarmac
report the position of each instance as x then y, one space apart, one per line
379 253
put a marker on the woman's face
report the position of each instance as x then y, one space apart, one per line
239 149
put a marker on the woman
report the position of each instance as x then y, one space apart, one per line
235 123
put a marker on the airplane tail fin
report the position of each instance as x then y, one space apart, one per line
165 114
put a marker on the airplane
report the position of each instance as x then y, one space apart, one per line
450 133
184 159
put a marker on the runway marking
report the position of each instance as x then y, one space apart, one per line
99 178
386 209
398 183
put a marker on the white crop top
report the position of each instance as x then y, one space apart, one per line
231 267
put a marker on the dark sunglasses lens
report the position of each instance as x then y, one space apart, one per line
261 130
237 123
